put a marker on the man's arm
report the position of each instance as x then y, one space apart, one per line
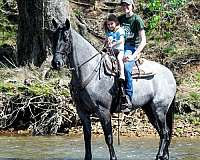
141 46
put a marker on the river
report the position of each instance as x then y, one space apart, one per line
72 148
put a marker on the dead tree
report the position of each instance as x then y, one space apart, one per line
34 26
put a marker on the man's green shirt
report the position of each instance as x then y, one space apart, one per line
132 25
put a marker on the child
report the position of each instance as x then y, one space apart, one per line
115 40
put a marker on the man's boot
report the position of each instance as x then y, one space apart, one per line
126 104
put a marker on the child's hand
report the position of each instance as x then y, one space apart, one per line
109 42
129 57
105 40
125 59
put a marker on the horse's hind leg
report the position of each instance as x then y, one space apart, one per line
105 118
170 117
85 119
164 132
157 116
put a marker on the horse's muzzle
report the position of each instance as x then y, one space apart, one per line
57 64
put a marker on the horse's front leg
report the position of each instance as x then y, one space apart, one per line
105 118
85 119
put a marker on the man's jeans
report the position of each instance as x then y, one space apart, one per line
128 67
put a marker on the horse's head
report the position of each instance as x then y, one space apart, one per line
62 44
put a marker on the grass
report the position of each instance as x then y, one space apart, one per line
189 92
7 37
29 81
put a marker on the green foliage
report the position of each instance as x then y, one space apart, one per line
167 35
77 13
11 88
197 76
193 82
153 22
41 89
30 81
7 36
170 49
154 5
6 87
162 13
196 28
179 130
195 96
166 24
7 29
194 120
36 89
176 4
196 81
4 74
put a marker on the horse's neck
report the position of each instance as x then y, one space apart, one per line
83 52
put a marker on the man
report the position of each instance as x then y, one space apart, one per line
135 41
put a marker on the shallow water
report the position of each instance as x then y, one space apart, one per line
72 148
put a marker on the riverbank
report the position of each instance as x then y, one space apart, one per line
135 124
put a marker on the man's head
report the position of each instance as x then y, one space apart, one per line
127 2
127 6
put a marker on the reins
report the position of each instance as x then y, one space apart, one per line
80 65
61 52
82 84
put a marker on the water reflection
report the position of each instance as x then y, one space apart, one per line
72 148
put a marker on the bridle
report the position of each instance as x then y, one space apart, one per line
76 67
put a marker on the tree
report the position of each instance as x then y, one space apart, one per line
34 24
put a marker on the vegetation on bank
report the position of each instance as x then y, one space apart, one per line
38 99
8 25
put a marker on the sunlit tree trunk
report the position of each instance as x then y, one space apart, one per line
34 28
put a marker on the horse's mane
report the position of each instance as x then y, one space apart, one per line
81 44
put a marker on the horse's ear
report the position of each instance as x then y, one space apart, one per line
55 24
67 23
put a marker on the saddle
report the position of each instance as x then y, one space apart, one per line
110 64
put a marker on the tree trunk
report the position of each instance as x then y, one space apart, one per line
34 38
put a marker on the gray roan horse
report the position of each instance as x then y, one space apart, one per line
94 92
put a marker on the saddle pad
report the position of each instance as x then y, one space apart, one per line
137 72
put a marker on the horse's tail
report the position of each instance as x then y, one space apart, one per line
170 117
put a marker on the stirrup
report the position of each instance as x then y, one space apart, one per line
126 111
126 103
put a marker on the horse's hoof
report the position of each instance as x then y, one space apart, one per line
88 158
162 158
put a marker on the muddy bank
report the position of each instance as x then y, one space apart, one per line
135 124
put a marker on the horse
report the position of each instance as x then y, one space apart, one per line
94 92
